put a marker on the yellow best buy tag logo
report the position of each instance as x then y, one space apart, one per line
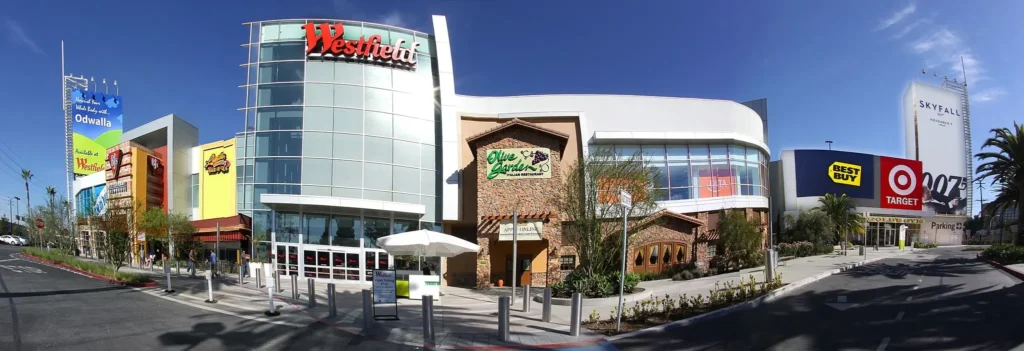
845 173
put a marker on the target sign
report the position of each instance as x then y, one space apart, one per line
901 183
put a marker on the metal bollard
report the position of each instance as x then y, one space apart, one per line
769 269
312 293
546 310
428 317
272 311
209 287
295 287
503 303
332 309
259 284
277 282
574 320
526 298
167 272
240 281
367 308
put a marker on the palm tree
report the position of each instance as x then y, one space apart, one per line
27 176
843 213
52 192
1005 166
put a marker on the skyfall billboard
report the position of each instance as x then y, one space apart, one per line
97 125
935 136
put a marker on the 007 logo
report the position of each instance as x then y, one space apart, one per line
901 183
945 193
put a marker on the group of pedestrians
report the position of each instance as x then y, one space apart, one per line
212 258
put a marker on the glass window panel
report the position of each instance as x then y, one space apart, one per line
370 30
424 65
317 144
429 182
261 225
409 105
405 36
405 81
316 229
679 194
285 170
653 153
430 131
377 149
425 44
679 174
351 73
625 152
292 31
287 189
406 198
719 152
288 227
279 144
405 128
279 94
319 118
754 174
378 100
720 183
407 154
263 166
320 71
282 51
752 155
378 195
406 179
290 71
738 173
700 172
378 77
698 152
258 190
374 228
320 94
378 123
348 173
270 32
405 225
347 192
659 174
348 120
254 36
736 152
348 146
348 96
378 176
428 159
316 171
279 118
347 230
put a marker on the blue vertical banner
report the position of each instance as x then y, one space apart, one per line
96 126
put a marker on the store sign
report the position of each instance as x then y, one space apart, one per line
155 165
529 163
119 189
901 183
327 43
845 173
218 163
528 230
384 286
114 162
898 220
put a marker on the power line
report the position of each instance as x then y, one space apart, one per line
9 156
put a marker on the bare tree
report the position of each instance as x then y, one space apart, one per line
119 222
588 200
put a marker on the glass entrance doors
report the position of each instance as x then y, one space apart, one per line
287 260
331 263
375 259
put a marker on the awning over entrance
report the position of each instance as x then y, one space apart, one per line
233 228
295 203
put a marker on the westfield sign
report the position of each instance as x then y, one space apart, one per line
324 44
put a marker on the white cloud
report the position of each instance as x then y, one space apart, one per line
897 16
910 27
16 34
393 19
988 95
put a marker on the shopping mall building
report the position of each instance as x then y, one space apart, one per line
353 131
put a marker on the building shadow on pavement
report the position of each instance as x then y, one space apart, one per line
61 292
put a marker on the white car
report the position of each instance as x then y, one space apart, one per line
10 240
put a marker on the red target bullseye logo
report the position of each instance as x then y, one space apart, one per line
903 180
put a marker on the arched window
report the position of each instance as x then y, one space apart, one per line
667 256
639 258
680 253
654 254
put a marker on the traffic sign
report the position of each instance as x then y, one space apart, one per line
39 223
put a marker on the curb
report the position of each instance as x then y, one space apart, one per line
1016 274
90 274
772 295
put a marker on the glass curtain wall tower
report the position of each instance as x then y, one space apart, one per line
336 152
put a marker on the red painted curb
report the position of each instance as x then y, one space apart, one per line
1015 273
92 275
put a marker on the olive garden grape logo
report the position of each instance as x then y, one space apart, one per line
519 163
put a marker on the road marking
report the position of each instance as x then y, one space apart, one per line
915 287
10 259
23 269
899 316
885 342
202 307
909 298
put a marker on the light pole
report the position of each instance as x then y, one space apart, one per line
626 201
829 142
11 209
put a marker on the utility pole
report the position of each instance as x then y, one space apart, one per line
829 142
981 202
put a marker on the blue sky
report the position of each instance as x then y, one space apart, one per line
831 70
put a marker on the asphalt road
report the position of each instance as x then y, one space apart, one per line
45 308
938 299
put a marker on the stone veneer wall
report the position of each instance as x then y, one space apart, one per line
528 196
663 230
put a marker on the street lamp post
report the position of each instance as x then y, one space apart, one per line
11 210
829 142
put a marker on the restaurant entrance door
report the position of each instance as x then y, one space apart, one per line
287 259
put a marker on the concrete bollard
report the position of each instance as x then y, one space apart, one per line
367 308
503 303
295 287
546 310
769 268
259 274
240 278
272 311
332 309
312 292
428 317
209 287
575 319
526 298
167 272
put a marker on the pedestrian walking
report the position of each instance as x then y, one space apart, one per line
213 263
245 264
192 262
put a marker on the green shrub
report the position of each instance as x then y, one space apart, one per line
1004 253
594 285
685 275
920 245
91 267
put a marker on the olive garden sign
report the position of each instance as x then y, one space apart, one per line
518 163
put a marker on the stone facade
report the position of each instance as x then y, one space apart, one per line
530 197
664 230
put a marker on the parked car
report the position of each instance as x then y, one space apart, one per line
23 240
12 240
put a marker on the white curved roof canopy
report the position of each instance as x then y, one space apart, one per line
615 118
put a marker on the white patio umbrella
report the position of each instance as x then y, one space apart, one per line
425 243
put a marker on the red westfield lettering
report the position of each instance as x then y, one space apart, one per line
325 43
